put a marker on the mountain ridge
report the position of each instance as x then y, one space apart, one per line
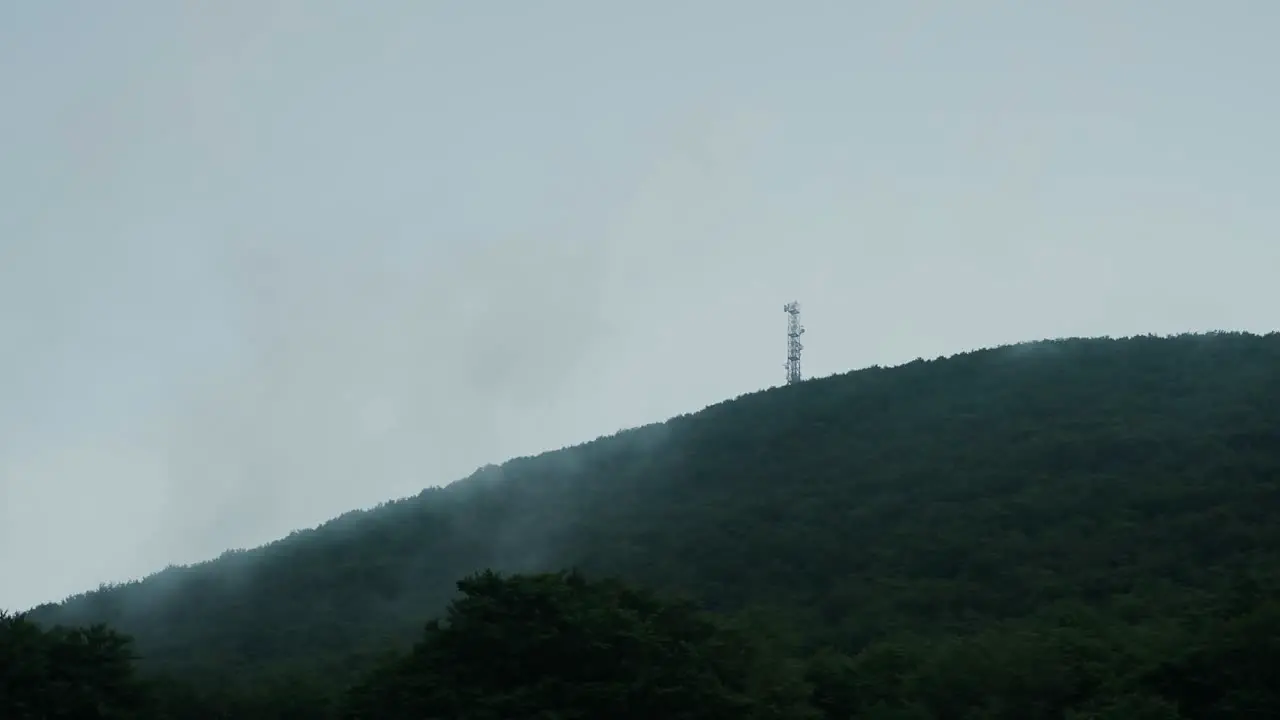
935 496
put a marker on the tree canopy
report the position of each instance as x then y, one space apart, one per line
84 673
561 646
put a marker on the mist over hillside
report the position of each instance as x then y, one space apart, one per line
298 298
943 496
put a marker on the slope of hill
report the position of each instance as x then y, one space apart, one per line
1132 479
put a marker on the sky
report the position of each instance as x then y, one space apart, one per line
266 261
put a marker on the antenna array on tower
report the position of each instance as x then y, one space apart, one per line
794 331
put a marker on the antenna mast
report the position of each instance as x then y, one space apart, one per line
794 331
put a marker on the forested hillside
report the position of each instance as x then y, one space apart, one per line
1082 525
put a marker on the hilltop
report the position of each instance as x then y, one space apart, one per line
1108 483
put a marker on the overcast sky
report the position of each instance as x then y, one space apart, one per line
262 262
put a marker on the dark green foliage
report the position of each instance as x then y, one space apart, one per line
1077 528
560 646
80 673
1230 670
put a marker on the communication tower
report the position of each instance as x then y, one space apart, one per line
794 331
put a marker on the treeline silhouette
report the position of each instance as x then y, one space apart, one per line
1070 529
